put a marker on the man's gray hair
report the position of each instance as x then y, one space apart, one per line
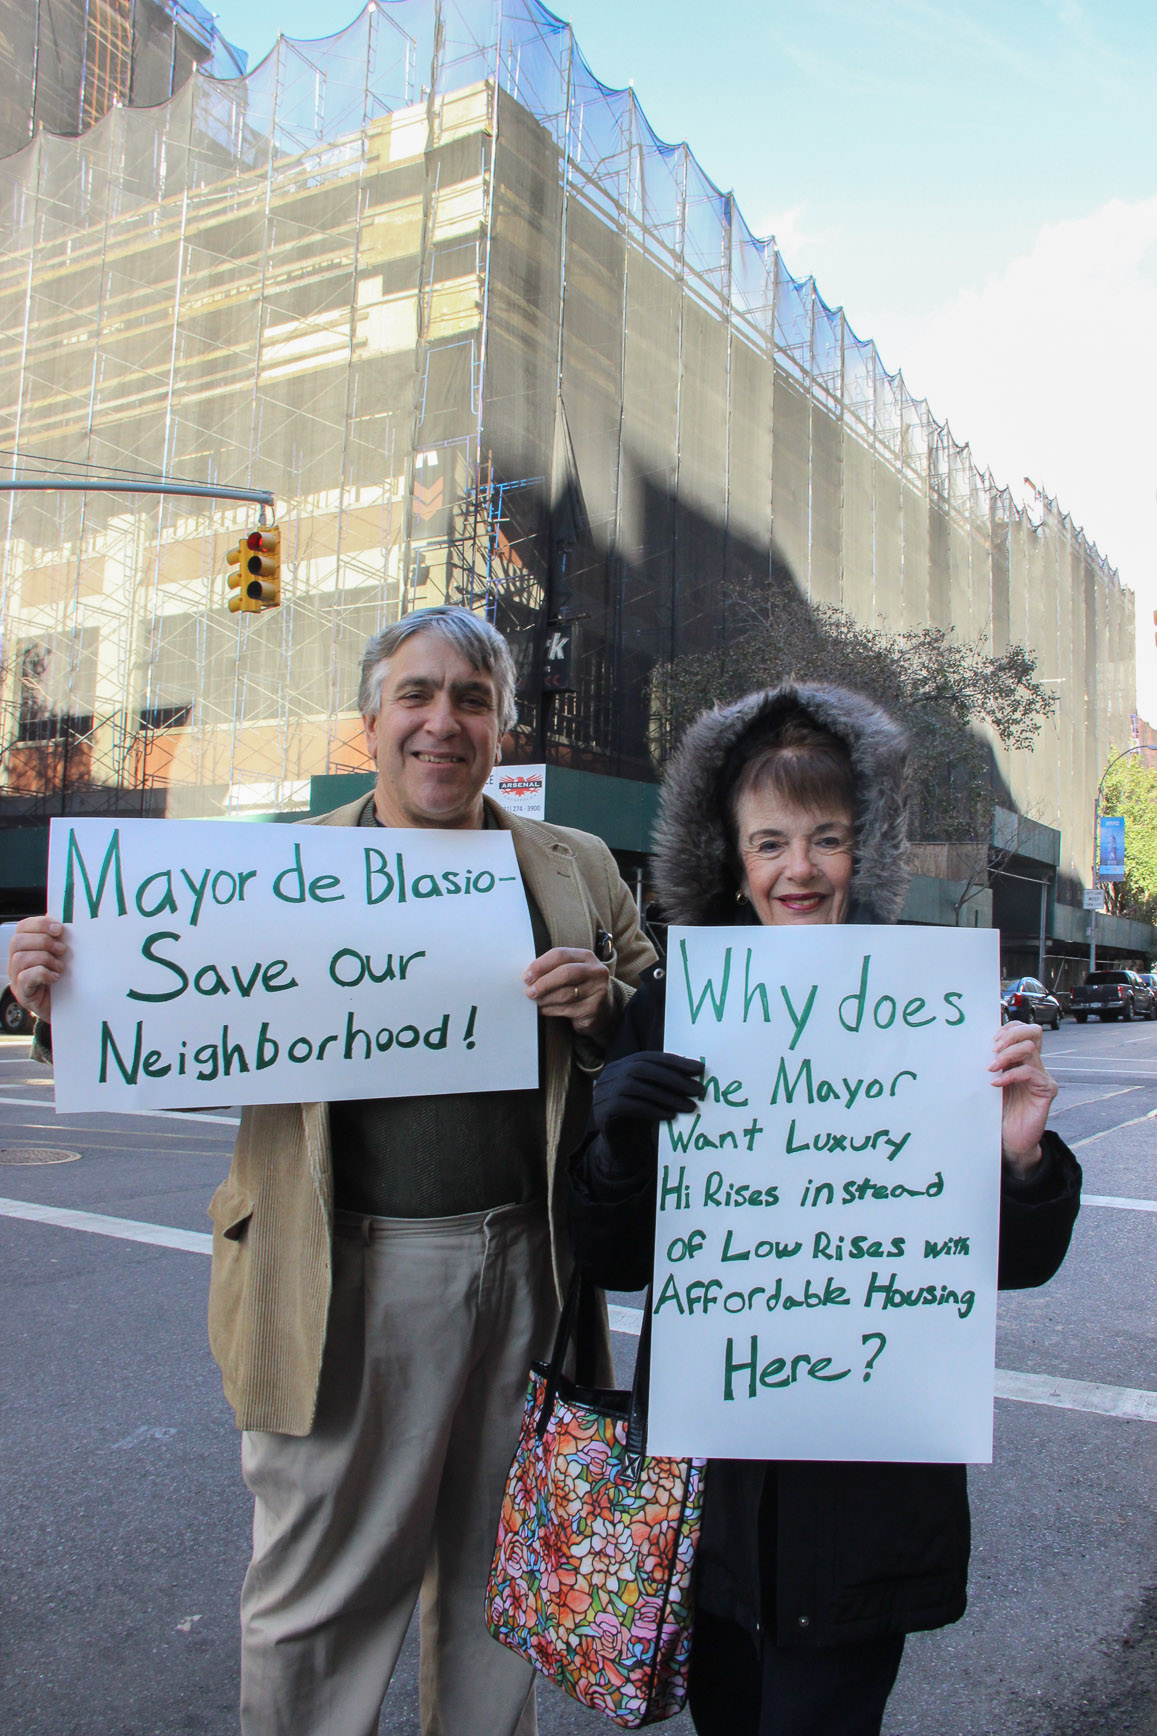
480 644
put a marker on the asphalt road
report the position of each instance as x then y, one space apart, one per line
124 1521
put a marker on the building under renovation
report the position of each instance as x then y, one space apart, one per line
488 339
65 63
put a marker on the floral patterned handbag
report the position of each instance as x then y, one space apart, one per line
591 1580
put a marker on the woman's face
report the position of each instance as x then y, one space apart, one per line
797 862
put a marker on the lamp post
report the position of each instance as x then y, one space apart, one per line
1137 747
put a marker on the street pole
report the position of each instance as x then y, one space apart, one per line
1096 867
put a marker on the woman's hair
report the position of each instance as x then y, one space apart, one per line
799 762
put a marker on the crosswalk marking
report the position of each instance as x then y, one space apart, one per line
1082 1395
190 1117
1135 1121
97 1224
1043 1389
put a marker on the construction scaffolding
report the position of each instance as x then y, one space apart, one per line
487 338
65 63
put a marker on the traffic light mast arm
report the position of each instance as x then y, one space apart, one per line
195 490
257 558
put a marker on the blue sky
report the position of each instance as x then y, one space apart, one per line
975 183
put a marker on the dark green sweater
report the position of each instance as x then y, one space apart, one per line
436 1157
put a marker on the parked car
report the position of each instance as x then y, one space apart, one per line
14 1021
1114 994
1029 1001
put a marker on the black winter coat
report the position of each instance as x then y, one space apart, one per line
828 1553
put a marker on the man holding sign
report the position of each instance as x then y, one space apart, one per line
799 1119
386 1268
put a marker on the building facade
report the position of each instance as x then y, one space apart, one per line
488 339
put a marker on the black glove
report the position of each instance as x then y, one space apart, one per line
649 1086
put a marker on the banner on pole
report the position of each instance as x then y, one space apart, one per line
827 1220
1111 848
223 963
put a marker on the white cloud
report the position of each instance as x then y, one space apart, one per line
1050 371
793 235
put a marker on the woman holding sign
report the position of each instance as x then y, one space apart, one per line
789 808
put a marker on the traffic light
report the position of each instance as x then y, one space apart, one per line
257 581
240 602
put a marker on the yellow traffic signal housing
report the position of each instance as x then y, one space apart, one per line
240 602
257 580
264 567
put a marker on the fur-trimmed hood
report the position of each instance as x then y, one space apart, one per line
695 875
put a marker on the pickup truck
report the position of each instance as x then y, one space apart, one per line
1113 994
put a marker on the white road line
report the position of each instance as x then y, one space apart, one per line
190 1116
1047 1389
1119 1204
124 1229
1103 1067
1105 1131
1063 1108
1083 1395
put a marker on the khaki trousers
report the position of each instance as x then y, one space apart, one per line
433 1324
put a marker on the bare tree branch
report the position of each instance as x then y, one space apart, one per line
940 686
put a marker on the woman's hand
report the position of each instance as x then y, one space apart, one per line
36 957
568 982
1028 1094
650 1086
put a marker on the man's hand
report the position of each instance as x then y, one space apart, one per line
568 982
1028 1094
36 957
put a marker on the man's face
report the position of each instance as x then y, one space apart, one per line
435 738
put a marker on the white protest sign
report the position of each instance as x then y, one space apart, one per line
229 963
826 1247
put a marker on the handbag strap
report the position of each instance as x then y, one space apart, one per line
637 1416
558 1353
640 1386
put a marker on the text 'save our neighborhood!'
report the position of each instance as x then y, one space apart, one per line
827 1220
239 964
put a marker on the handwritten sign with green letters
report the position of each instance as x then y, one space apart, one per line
826 1247
230 964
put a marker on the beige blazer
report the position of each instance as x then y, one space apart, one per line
272 1217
